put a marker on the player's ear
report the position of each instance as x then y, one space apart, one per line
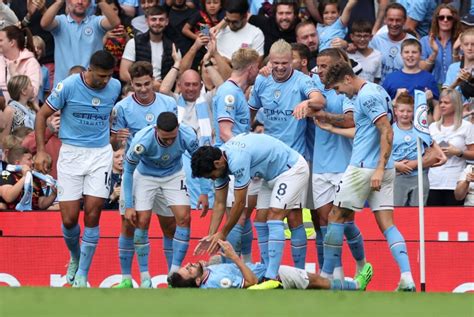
219 163
198 281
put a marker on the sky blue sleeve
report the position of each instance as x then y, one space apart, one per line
254 100
57 98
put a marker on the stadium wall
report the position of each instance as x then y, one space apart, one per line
32 251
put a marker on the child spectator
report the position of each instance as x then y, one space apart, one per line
370 59
12 183
115 180
334 27
40 50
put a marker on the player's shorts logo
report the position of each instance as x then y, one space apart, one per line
88 31
277 94
407 138
95 101
60 190
149 117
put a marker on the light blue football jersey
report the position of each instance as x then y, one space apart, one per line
228 275
327 33
372 102
152 158
278 100
391 57
404 145
85 111
332 152
230 104
255 155
133 115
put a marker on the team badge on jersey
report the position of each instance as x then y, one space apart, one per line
59 87
139 149
150 117
165 157
393 51
407 138
88 31
95 101
229 100
277 94
225 283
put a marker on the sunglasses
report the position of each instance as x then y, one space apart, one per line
445 18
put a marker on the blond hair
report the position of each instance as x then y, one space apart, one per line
280 47
455 98
244 57
38 41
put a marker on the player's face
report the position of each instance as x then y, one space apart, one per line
281 66
252 73
308 36
99 77
296 62
157 23
344 87
330 14
323 63
191 270
190 87
235 21
78 7
285 16
361 39
213 6
404 113
395 21
445 19
167 138
411 56
467 46
143 88
446 107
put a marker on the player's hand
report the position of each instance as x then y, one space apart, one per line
324 125
203 204
122 135
25 169
214 242
376 180
265 71
131 216
41 162
202 246
227 250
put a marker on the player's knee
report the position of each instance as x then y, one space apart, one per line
69 222
184 220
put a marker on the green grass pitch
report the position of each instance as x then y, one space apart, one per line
52 302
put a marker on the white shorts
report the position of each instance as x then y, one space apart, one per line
152 191
159 207
84 171
324 188
354 190
252 190
293 278
286 191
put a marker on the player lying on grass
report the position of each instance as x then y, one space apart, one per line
243 275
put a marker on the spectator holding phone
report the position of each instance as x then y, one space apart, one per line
209 17
455 136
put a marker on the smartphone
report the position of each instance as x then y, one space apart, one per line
204 29
443 144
